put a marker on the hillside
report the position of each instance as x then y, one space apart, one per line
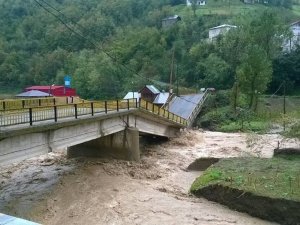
110 47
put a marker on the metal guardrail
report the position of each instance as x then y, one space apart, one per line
12 104
196 111
162 112
32 115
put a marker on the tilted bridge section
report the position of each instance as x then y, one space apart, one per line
37 126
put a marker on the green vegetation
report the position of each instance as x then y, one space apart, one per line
278 177
125 47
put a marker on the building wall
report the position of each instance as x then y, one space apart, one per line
291 43
168 23
199 2
147 95
58 92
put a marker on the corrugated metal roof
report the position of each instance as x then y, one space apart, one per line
172 18
131 95
153 89
33 93
222 26
161 98
184 105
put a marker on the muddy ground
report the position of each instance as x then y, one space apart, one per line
52 189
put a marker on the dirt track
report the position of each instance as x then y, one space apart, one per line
108 191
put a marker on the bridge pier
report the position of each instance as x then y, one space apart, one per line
123 144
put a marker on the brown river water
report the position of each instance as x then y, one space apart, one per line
52 189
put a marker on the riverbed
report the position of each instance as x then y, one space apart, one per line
52 189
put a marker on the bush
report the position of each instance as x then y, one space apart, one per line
213 119
256 126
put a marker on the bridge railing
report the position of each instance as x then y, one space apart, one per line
56 112
12 104
161 112
196 111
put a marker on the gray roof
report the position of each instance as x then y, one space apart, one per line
161 98
222 26
184 105
153 89
131 95
33 93
175 17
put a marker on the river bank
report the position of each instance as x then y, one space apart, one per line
110 191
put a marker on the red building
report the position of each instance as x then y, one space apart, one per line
56 91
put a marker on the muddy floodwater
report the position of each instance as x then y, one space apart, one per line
52 189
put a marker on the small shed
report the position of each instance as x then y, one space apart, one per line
149 93
132 95
33 94
170 21
55 90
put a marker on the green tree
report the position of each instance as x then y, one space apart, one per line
254 74
194 6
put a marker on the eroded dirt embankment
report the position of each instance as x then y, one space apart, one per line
283 211
109 191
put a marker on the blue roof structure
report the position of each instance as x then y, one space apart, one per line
161 98
10 220
184 105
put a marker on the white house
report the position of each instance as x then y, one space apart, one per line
198 2
214 32
294 40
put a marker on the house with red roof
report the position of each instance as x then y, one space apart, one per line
54 90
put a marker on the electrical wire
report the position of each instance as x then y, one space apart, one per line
88 39
92 42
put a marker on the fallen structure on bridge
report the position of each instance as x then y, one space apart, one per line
115 125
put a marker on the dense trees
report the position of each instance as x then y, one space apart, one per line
120 46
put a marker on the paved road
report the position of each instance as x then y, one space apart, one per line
184 105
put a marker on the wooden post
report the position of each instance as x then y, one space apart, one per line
92 108
76 113
55 113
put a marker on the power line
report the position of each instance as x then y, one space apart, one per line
87 39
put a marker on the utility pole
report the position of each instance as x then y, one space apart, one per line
284 104
172 67
177 81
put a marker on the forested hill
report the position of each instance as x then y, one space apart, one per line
112 46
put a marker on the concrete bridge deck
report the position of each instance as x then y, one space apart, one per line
116 125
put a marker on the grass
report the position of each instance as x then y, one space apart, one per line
218 8
296 10
278 177
255 126
228 8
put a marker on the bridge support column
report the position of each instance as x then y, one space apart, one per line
124 144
